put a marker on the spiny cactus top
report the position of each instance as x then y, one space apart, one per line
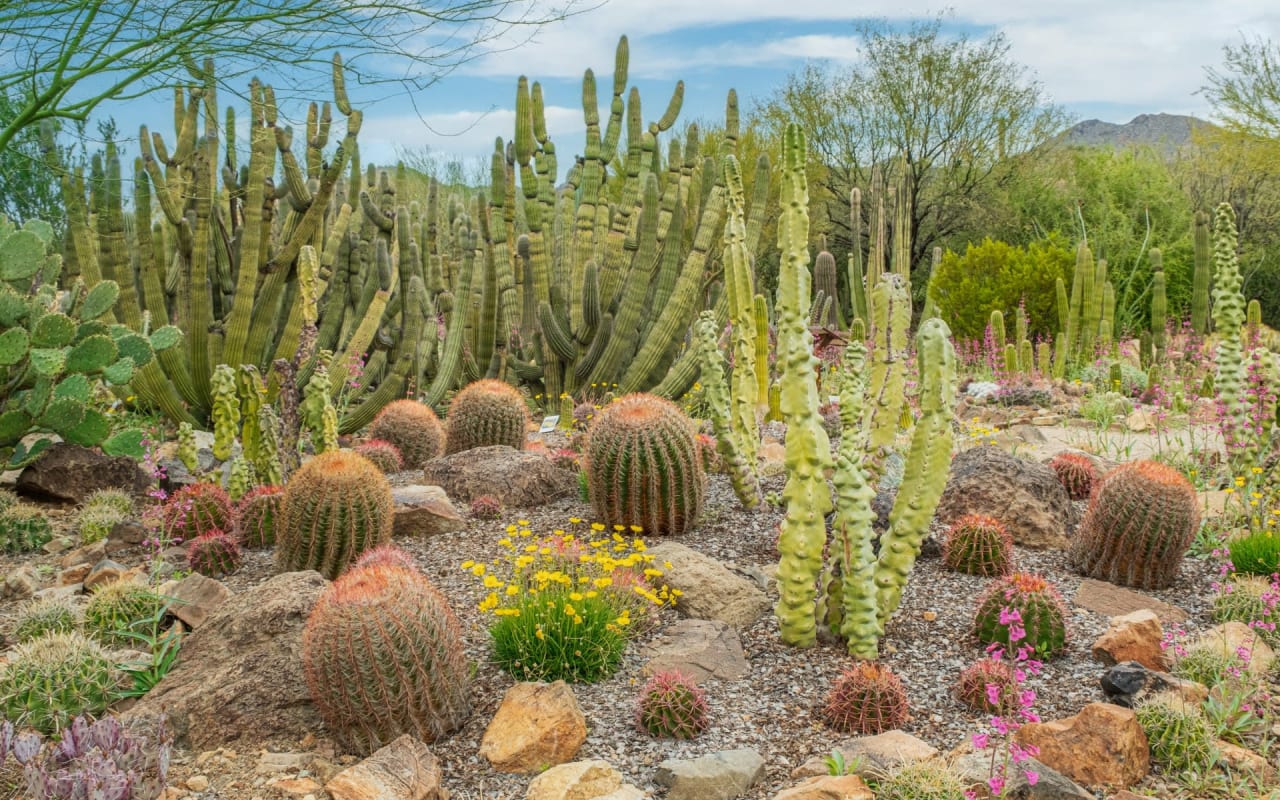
867 699
486 413
413 428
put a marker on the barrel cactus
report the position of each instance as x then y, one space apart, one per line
95 523
384 455
486 506
487 412
671 706
1181 737
23 528
50 680
214 554
382 654
259 514
413 428
978 545
1040 612
644 467
48 615
335 507
121 608
988 685
198 508
866 699
1141 519
387 555
1076 473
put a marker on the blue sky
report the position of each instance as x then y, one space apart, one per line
1111 59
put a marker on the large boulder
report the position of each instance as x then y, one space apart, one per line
1025 496
1102 746
239 676
70 473
519 478
710 590
537 725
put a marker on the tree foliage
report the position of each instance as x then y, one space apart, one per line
1245 91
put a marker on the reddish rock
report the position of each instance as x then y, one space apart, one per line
538 725
195 597
1102 746
828 787
405 769
1132 637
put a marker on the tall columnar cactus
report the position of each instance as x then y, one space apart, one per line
740 291
824 281
1202 276
336 506
1090 311
1159 307
808 450
998 330
1142 518
741 467
1228 320
225 410
487 412
382 655
413 428
643 466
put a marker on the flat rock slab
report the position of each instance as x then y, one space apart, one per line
1110 600
424 511
874 756
710 589
701 649
195 597
403 770
719 776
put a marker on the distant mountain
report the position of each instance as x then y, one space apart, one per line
1165 132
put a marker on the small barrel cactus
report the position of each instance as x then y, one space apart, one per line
413 428
120 608
1142 517
95 523
486 506
671 706
988 685
487 412
1180 736
198 508
50 680
382 654
978 545
1253 601
388 555
644 466
258 514
1041 613
336 506
49 615
23 529
384 455
214 554
927 779
115 499
866 699
1076 473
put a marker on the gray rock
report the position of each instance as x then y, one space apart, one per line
701 649
981 390
20 584
710 589
975 768
518 478
719 776
424 511
195 597
1024 495
70 473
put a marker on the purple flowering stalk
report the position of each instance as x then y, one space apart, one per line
999 736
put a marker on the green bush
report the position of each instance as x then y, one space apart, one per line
996 276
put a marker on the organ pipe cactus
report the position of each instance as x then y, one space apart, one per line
1201 276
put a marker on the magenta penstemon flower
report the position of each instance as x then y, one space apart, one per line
1002 726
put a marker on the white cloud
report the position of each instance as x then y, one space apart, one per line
461 134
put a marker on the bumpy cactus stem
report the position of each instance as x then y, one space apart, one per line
808 451
1228 319
742 473
740 291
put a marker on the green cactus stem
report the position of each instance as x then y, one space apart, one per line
1201 276
742 473
1228 320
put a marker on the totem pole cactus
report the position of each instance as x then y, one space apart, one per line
741 468
1228 319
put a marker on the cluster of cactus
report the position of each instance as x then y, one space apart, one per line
487 412
1251 600
335 507
1209 663
382 454
672 706
1077 474
214 554
382 654
50 680
258 514
56 348
23 529
974 686
1086 321
413 429
1041 611
486 506
101 512
885 256
1181 737
1142 517
643 466
978 545
926 779
866 699
47 615
120 609
196 509
98 760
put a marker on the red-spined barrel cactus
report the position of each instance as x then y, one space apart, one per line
259 514
1040 610
382 654
413 428
978 545
213 554
867 699
336 506
384 455
198 508
1076 473
1141 519
974 686
671 706
486 506
486 413
644 466
386 555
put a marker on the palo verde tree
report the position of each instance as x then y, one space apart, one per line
949 108
70 56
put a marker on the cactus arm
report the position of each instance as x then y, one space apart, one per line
740 291
761 308
742 472
891 305
226 411
451 357
261 165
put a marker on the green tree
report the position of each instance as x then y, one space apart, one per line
953 109
29 178
1245 90
70 56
